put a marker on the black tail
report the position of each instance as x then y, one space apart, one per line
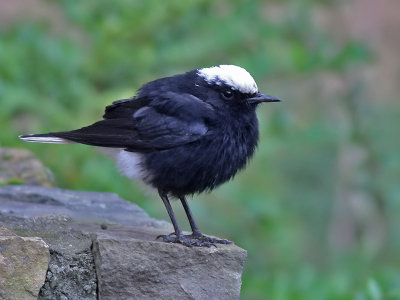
114 133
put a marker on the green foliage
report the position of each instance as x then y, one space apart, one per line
58 75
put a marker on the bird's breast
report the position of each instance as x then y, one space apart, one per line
203 164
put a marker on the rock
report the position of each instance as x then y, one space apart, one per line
70 276
140 268
23 265
89 207
20 166
71 271
56 215
104 247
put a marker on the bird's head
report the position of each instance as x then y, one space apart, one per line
231 85
224 87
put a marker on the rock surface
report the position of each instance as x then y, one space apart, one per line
88 207
104 247
137 268
23 265
20 166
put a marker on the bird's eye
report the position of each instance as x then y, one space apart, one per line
228 94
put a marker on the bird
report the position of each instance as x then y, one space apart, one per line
182 135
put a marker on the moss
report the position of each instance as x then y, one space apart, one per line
15 181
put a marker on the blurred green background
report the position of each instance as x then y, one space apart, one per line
318 208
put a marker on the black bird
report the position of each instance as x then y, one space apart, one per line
182 135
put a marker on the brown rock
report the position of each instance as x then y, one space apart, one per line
23 265
132 265
90 232
20 166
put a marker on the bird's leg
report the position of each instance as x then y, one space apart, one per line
189 215
178 236
178 231
196 234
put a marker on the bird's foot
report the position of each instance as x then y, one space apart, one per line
186 240
201 237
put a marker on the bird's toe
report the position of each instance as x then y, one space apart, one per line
168 238
204 238
186 240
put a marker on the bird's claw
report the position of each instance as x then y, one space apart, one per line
196 239
186 240
201 237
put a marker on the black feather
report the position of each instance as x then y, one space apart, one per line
193 131
191 138
141 124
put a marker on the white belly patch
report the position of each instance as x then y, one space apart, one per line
131 165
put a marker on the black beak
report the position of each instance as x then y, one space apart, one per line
258 98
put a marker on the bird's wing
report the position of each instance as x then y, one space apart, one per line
125 108
163 122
